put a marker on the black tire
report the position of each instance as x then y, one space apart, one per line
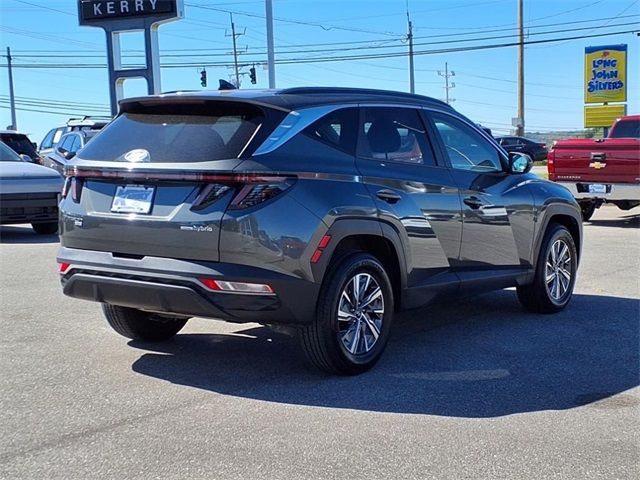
324 339
537 297
587 210
48 228
139 325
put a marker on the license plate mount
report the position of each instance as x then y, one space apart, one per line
597 188
133 199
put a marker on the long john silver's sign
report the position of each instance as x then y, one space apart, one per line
96 10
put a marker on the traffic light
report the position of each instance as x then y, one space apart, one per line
252 75
203 78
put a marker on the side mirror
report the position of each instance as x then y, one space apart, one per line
69 155
520 162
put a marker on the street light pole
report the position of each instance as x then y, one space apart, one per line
520 125
270 48
12 100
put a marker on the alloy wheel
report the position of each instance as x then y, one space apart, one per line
360 313
558 270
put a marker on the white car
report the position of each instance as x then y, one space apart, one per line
28 192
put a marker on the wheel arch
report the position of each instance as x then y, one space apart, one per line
565 215
370 236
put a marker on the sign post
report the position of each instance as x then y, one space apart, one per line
119 16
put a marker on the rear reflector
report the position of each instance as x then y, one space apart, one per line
63 267
236 287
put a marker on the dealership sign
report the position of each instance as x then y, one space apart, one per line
605 74
92 12
116 17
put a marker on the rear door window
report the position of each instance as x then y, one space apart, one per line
176 137
394 134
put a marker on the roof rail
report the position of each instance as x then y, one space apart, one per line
88 120
355 91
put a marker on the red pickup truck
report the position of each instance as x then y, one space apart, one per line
600 170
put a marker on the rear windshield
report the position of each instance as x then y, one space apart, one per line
169 138
19 143
626 129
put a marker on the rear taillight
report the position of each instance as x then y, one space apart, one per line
65 187
251 195
72 186
209 194
250 188
551 164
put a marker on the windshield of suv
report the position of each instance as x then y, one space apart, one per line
19 143
626 129
171 138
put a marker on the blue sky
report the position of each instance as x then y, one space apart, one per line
42 32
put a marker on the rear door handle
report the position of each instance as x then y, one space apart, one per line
473 202
388 196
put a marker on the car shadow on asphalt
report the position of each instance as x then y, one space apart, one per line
481 357
625 221
24 234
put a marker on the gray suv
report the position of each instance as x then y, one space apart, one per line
325 209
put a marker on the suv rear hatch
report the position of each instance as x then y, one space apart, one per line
158 179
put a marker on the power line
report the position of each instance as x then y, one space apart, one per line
367 43
341 58
326 27
45 8
347 49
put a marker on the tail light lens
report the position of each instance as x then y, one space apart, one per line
251 188
251 195
551 164
209 195
65 187
73 186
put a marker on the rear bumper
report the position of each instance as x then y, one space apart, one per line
171 286
617 191
28 208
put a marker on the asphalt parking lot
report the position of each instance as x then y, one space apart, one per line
479 389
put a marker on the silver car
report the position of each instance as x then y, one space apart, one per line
28 193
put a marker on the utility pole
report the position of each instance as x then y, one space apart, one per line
270 48
520 121
235 52
12 100
447 85
412 79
